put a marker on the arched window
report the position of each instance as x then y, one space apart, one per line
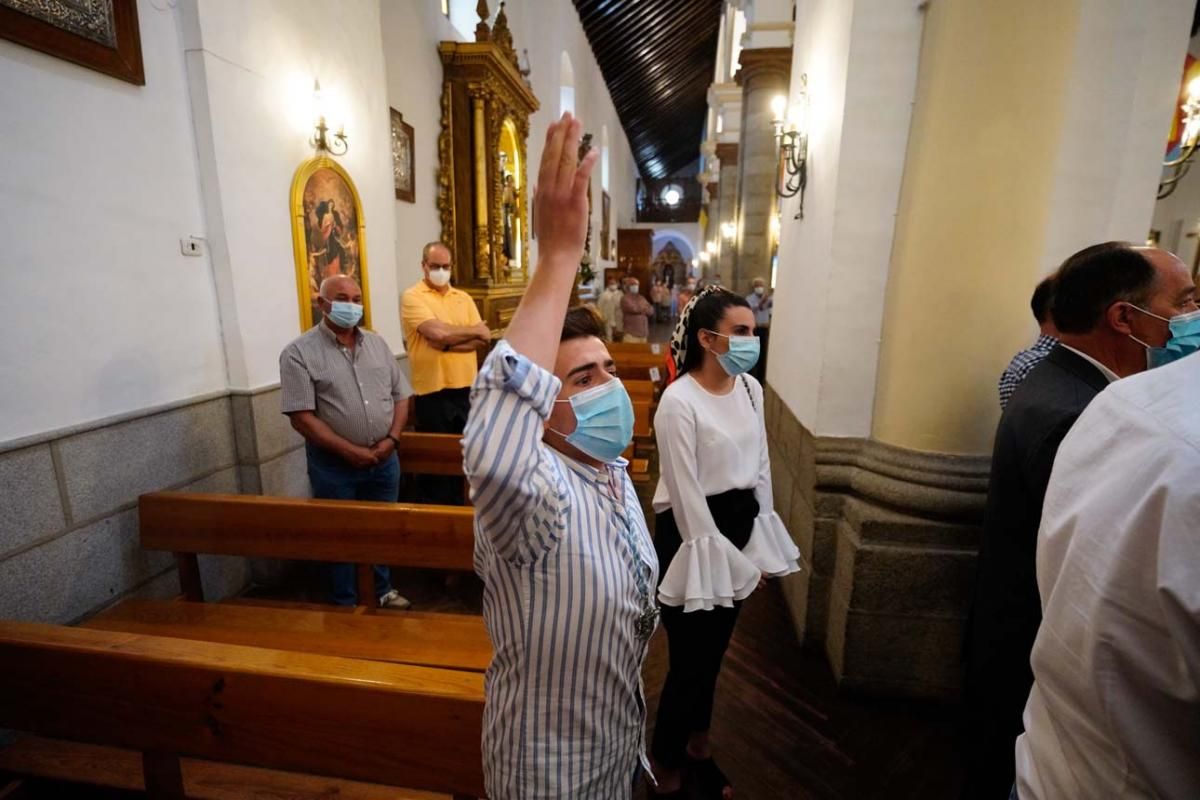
604 157
566 85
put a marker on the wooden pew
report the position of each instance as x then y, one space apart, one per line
445 641
433 454
618 349
119 768
170 699
363 533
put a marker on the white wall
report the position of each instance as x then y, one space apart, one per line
411 33
252 67
861 60
1127 66
103 178
104 314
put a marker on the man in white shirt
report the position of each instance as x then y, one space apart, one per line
1115 706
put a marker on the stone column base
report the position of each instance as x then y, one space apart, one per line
889 537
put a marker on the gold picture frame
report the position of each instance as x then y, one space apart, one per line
325 239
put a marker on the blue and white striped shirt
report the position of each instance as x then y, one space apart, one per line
559 545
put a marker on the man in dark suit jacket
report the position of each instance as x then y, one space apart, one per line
1111 302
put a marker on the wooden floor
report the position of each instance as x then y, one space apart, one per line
782 730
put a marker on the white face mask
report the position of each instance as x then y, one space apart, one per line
633 288
758 290
439 277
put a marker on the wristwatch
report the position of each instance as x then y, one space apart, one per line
394 440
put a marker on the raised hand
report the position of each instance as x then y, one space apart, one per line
562 217
561 197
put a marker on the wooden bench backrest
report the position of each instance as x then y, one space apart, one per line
657 349
431 453
435 537
363 720
640 390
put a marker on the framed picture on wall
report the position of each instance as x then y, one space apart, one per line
328 234
402 158
605 229
101 35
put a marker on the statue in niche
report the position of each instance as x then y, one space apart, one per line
509 206
585 144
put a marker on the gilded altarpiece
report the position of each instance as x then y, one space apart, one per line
482 185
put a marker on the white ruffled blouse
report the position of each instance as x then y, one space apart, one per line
709 444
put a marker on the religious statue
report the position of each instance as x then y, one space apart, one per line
509 209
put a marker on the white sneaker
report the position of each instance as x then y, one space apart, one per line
394 599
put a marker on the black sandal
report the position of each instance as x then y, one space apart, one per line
708 775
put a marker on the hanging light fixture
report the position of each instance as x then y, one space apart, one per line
335 144
1189 139
791 139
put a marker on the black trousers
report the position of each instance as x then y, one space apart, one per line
442 412
696 640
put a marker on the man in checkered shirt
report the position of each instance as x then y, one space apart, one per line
1024 362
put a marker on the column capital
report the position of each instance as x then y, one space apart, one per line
727 153
764 63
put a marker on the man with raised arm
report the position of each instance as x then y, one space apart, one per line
560 540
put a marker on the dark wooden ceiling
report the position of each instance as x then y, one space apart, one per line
657 57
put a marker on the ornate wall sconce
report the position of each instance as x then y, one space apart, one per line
791 138
1189 140
335 144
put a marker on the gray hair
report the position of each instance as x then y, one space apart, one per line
427 249
325 284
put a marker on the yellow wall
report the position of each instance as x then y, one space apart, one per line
974 210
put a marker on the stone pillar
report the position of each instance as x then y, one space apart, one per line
712 192
763 75
727 208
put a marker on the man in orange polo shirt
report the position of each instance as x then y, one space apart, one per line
442 331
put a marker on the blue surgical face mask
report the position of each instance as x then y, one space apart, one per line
345 315
603 421
741 356
1184 339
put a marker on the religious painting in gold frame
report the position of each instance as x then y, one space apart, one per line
329 234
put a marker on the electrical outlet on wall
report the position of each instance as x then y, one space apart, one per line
192 246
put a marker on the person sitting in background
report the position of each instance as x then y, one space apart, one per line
1024 362
660 297
636 314
762 303
686 293
609 306
343 391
